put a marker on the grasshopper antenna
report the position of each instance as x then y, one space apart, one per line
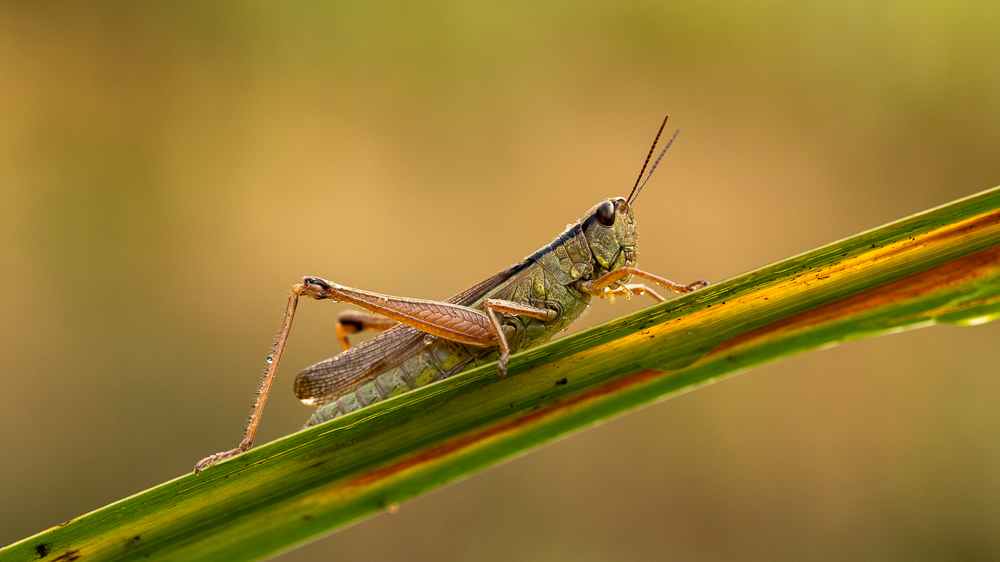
658 158
638 184
648 156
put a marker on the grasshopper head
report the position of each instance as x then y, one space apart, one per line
610 226
612 233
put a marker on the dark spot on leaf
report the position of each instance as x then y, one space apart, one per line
42 550
131 542
307 517
68 556
561 382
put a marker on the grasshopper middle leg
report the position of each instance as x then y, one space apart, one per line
497 305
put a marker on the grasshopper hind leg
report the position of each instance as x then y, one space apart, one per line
265 385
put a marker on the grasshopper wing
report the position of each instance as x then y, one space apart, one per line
330 378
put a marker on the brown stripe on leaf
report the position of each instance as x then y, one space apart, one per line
978 265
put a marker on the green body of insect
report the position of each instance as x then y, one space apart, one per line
546 279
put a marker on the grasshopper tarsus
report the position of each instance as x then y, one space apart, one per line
218 457
699 284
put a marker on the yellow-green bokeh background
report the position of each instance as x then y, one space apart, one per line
168 170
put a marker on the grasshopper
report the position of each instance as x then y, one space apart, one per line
424 341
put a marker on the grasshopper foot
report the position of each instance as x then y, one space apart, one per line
502 365
699 284
209 461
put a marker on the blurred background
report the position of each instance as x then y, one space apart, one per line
168 171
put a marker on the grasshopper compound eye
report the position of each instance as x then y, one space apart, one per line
606 214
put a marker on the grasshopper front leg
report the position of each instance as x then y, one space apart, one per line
632 289
597 286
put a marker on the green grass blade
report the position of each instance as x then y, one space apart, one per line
942 265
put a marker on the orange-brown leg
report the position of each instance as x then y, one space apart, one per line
354 321
631 289
265 385
450 321
596 287
497 305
